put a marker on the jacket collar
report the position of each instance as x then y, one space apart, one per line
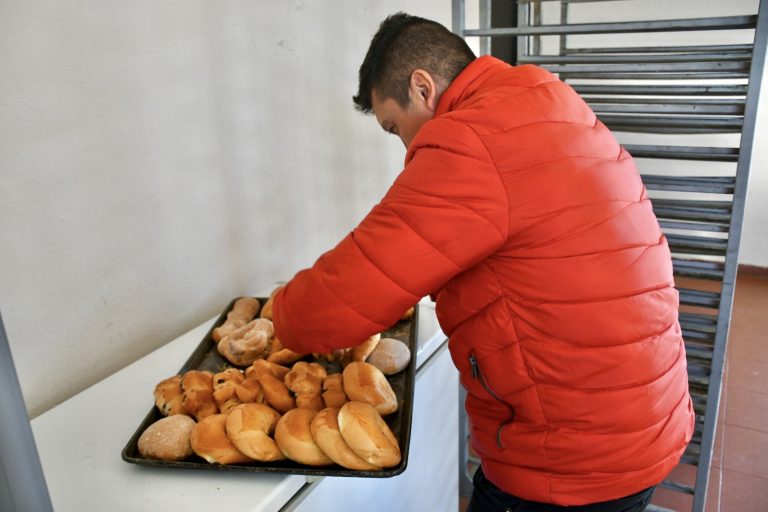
463 86
467 82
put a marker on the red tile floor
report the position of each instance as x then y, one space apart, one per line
739 474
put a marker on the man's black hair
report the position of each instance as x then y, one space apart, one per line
403 44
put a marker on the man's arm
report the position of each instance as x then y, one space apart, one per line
446 212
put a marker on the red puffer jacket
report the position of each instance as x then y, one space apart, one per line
521 213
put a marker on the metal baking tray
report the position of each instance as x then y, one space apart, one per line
206 357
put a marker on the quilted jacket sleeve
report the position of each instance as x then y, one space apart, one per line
445 212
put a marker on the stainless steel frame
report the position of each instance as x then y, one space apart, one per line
704 230
22 482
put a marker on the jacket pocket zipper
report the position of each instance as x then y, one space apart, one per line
477 375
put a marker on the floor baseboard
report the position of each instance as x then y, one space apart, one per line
753 271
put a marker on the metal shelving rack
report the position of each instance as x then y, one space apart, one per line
667 101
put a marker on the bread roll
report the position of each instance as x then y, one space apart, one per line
266 311
325 432
368 435
390 356
305 380
224 389
249 427
242 312
209 440
362 351
333 391
169 397
233 375
331 357
197 388
226 397
294 438
365 383
277 370
167 439
280 355
248 343
275 391
250 391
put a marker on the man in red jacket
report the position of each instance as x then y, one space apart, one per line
528 223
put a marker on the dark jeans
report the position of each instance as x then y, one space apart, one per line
486 497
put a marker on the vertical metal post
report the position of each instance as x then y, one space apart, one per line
563 21
457 17
732 256
523 20
485 23
504 14
536 50
465 478
22 484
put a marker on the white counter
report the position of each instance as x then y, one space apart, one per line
80 442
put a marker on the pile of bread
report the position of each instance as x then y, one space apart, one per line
283 405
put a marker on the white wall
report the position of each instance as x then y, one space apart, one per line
160 158
754 238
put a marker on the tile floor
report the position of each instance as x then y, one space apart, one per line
739 473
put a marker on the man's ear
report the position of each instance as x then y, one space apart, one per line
423 89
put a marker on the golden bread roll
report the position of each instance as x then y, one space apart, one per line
305 380
365 383
368 435
390 356
276 393
197 388
333 391
167 439
249 427
243 311
169 397
294 438
280 355
225 397
362 351
326 433
305 377
233 375
209 440
248 343
332 357
277 370
249 391
225 389
266 311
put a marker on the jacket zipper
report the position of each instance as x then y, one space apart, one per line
477 375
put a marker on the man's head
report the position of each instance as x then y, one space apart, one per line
409 64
